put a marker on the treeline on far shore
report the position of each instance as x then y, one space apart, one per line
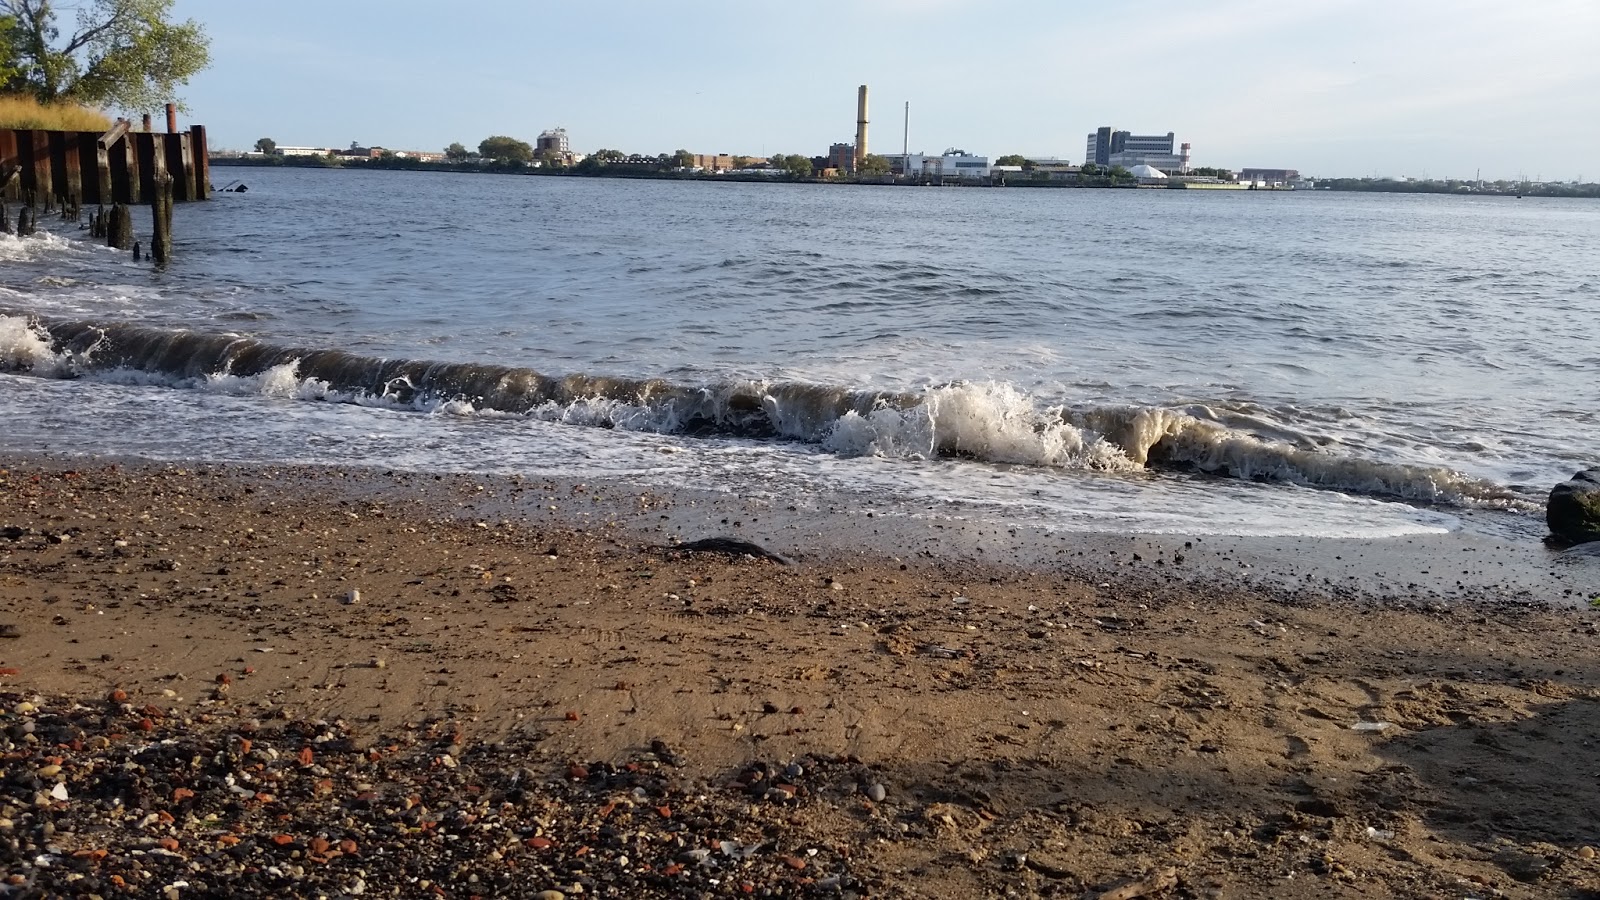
1454 186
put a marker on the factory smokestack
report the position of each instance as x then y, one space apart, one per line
861 128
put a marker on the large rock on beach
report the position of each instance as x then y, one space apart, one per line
1574 509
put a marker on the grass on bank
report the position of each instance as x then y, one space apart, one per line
22 111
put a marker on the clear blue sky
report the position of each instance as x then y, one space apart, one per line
1331 87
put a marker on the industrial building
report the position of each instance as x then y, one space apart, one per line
1269 177
950 164
723 162
1110 147
841 157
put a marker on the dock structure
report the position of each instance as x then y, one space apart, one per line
75 169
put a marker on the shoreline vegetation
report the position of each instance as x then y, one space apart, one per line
270 681
23 111
669 173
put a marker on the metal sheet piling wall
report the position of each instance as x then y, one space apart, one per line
87 168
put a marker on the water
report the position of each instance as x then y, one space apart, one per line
1116 361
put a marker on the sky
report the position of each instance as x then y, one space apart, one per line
1418 88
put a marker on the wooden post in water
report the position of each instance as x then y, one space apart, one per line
26 223
5 217
161 212
120 230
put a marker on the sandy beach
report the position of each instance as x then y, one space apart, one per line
223 681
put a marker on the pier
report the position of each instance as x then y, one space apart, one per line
70 170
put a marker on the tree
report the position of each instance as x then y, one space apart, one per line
798 165
741 162
1120 173
125 53
9 68
683 159
1012 159
267 146
500 147
455 152
1088 170
608 156
873 164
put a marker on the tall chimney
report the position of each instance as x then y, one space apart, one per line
861 128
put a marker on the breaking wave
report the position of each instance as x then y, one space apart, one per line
990 422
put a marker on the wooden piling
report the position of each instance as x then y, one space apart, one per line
56 168
5 217
26 223
198 151
120 229
161 213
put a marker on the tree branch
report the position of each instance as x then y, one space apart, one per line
79 40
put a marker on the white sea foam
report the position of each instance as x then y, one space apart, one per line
32 247
994 422
25 347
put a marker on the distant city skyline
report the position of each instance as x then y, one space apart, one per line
1437 88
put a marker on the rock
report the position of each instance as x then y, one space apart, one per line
1573 512
876 793
1524 867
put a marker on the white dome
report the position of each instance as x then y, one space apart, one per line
1146 172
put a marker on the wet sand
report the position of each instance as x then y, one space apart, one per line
957 728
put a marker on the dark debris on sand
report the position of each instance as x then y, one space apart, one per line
120 799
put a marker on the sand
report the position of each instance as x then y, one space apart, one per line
965 729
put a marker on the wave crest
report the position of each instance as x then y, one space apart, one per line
990 422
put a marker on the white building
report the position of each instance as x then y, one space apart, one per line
1148 174
304 151
950 164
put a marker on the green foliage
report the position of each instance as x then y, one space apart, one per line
608 156
267 146
683 159
126 53
1011 159
509 149
1088 170
797 165
873 164
456 153
9 64
1120 173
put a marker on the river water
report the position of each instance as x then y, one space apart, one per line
1163 362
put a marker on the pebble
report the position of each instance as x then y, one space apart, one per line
1586 853
352 598
877 793
423 819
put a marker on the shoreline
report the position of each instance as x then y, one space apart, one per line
1035 727
1583 192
